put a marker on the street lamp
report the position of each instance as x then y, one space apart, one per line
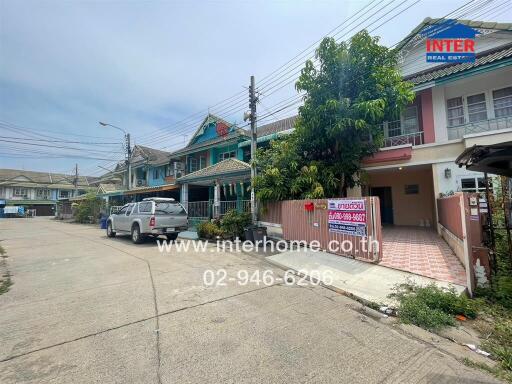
127 148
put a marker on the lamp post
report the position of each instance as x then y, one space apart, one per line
127 148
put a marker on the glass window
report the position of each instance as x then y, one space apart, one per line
145 207
156 173
468 184
20 192
122 211
410 120
502 99
169 170
412 189
477 110
63 194
129 209
162 208
43 193
192 164
202 162
226 155
474 184
455 111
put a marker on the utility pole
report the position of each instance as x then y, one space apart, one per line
252 105
128 159
128 150
75 181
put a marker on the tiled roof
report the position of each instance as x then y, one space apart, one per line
435 73
7 176
221 168
150 155
277 126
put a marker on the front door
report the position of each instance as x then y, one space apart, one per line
386 203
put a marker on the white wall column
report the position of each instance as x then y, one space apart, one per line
184 196
216 199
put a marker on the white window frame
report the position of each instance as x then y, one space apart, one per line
192 164
43 193
493 100
475 178
222 156
489 104
68 192
20 192
485 102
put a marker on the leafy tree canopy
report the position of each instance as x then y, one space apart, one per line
349 91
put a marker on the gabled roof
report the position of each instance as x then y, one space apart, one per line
142 154
200 130
224 167
234 136
415 33
494 56
109 187
16 176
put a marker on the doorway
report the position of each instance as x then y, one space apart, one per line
386 203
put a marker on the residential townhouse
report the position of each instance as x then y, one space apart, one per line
210 175
40 190
456 106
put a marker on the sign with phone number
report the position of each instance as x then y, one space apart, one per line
347 217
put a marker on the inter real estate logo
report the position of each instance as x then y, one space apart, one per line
450 42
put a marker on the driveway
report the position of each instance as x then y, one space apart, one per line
88 309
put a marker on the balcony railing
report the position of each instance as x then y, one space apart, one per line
415 138
459 131
393 134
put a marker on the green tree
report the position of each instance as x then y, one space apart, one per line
351 89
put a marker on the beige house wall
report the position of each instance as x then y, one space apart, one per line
414 210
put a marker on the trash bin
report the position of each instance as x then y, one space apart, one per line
103 223
259 234
248 233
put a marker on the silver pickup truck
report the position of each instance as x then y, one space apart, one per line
152 216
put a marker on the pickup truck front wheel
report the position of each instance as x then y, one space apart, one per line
110 231
137 237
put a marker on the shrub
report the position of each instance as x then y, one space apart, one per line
208 230
91 206
432 307
234 222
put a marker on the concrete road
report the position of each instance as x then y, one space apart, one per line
88 309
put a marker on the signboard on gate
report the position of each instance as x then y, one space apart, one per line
347 217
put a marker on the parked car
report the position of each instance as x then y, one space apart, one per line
152 216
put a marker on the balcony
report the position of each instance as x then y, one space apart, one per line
395 134
459 131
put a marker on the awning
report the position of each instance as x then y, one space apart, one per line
166 187
495 159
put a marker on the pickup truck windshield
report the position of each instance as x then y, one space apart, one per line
169 209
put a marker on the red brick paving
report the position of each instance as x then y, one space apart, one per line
421 251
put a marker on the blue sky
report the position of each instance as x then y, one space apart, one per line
146 65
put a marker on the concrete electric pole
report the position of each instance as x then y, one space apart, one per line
128 150
252 105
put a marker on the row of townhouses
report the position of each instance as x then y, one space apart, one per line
456 106
41 190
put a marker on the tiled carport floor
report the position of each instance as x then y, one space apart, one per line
421 251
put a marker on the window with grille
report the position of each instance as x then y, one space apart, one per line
473 184
411 120
43 193
20 192
477 109
455 111
502 100
64 194
156 173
